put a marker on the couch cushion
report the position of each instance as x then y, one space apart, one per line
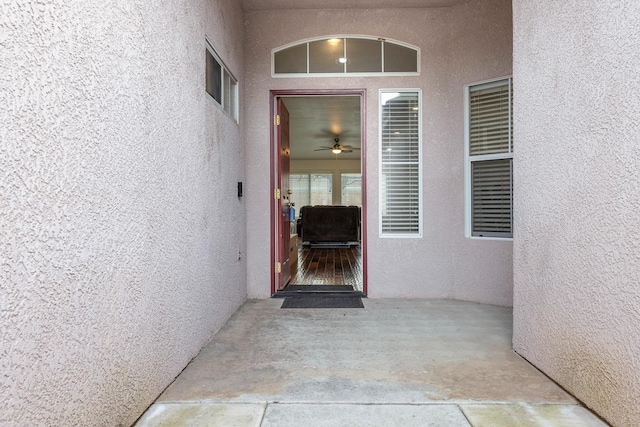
330 223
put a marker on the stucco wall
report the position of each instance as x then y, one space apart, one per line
577 163
460 45
119 221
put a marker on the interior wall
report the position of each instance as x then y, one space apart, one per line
120 225
462 44
577 181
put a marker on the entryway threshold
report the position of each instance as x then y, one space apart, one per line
302 294
294 291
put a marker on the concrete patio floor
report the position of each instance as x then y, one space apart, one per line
394 363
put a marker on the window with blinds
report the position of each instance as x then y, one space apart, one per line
489 149
400 169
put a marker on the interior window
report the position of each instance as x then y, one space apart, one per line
351 186
310 189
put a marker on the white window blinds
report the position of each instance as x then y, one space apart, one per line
490 159
490 120
400 188
491 203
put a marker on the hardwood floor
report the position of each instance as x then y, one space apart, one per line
328 266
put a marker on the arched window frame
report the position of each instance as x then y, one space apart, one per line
345 74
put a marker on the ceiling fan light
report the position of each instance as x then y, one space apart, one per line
336 151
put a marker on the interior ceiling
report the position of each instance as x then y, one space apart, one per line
251 5
314 122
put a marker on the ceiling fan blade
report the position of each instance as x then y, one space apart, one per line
324 148
347 151
350 147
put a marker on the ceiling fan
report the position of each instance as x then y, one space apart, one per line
338 148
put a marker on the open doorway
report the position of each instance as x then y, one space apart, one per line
319 181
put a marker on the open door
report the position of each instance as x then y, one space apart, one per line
283 268
308 127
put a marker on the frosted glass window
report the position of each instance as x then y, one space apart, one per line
399 58
364 56
352 56
291 60
324 56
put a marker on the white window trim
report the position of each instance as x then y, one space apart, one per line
420 164
235 114
344 36
468 217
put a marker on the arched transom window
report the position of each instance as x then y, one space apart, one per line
345 55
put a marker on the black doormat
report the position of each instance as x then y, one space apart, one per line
318 288
314 301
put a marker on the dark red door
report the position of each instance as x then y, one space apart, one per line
284 230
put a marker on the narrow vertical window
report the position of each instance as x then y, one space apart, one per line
400 168
489 163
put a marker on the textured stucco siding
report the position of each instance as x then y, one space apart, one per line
460 45
577 180
119 222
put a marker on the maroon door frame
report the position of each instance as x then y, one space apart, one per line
274 94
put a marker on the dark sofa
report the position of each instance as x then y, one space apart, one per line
330 223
